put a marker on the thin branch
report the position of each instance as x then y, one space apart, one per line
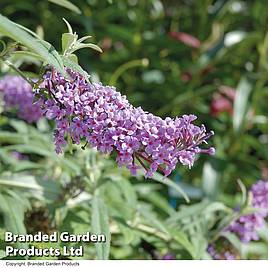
13 67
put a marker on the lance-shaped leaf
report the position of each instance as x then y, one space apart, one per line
44 49
210 181
241 103
100 225
66 4
89 45
41 189
13 214
84 38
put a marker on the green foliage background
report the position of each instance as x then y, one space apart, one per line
168 77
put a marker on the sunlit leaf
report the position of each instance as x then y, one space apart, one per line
241 103
66 40
73 58
81 45
210 180
68 26
82 39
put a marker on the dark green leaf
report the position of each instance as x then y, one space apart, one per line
66 4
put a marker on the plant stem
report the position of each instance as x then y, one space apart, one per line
121 69
14 68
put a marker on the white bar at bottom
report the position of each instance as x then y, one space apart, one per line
134 264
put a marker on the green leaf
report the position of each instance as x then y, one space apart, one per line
10 137
19 197
38 187
188 211
192 192
52 51
210 180
82 39
115 199
13 213
3 47
72 65
45 50
66 4
200 247
70 144
89 45
26 54
30 148
159 178
152 220
159 201
100 225
2 254
120 32
19 126
234 240
240 104
26 165
182 239
215 206
74 59
66 40
68 26
128 192
243 191
128 233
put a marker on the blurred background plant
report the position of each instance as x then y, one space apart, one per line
203 57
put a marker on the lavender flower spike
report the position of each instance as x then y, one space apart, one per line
100 116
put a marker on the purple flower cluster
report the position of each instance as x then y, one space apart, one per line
98 115
246 226
17 93
168 257
226 255
19 156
